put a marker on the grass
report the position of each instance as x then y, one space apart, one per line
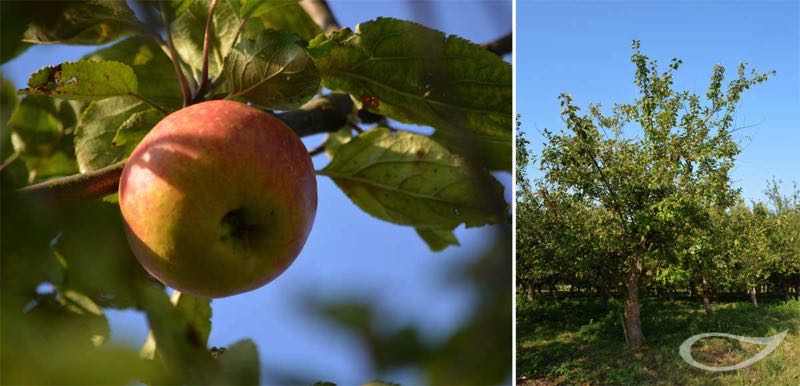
582 342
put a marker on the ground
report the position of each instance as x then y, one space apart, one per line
580 341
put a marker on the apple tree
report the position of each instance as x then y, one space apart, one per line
67 134
653 166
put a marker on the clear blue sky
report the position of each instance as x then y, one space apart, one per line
349 255
583 48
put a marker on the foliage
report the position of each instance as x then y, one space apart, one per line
64 262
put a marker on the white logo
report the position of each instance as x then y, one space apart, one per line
772 343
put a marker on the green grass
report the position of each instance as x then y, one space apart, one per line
582 342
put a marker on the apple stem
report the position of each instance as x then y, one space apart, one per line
206 44
173 54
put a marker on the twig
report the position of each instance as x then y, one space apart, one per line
201 90
10 160
187 94
322 115
500 46
321 13
98 183
317 150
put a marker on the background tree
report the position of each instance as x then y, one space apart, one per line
658 182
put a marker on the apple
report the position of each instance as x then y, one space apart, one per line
218 199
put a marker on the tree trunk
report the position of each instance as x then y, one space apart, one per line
553 291
604 295
706 301
633 322
754 295
797 287
670 292
691 289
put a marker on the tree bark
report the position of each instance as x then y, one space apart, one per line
706 301
754 295
633 322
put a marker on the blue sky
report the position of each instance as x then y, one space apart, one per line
583 48
349 255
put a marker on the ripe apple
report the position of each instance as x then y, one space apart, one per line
218 199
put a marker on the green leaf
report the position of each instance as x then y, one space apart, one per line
437 239
94 253
418 75
410 179
8 101
494 153
15 22
100 123
336 140
188 30
41 132
154 73
83 80
272 71
180 6
285 15
239 364
79 22
131 132
197 311
14 173
68 321
176 343
256 8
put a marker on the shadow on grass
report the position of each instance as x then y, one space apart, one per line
582 341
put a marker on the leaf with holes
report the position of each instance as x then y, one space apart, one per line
418 75
272 71
154 73
410 179
83 80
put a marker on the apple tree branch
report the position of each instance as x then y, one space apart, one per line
323 114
